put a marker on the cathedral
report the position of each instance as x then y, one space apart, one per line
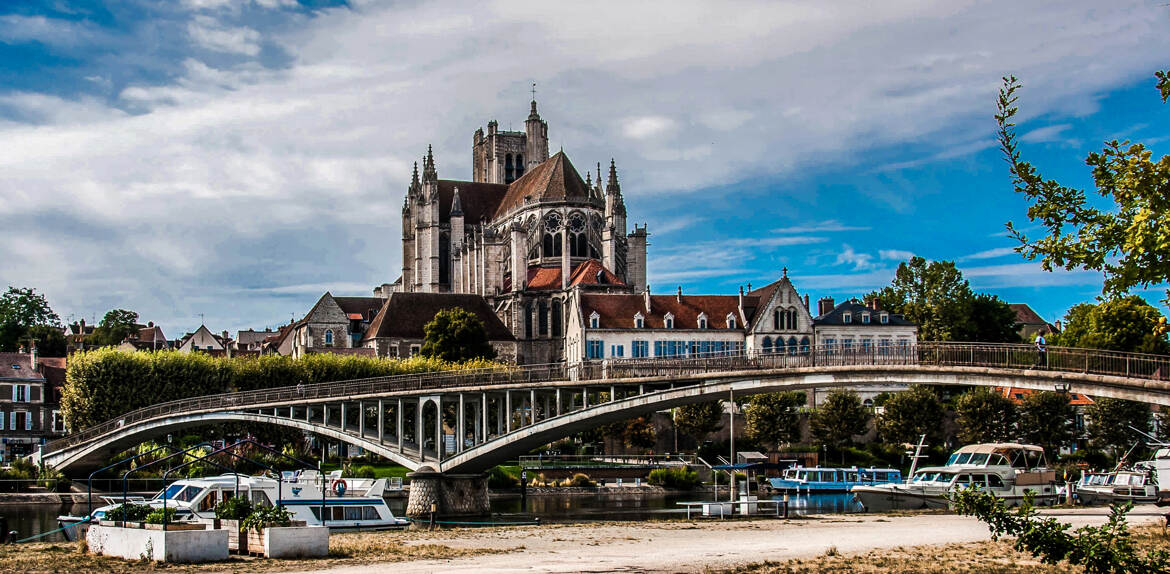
523 233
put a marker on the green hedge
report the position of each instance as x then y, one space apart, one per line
105 383
680 478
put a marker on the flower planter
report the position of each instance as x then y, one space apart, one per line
183 544
290 541
176 526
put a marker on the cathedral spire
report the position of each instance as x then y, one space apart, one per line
612 186
414 183
429 172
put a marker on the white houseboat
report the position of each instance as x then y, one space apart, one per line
1005 470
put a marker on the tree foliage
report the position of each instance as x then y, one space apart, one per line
909 415
839 419
22 308
1105 549
115 326
774 419
1046 419
1129 241
1110 421
700 419
105 383
935 296
984 415
456 335
1121 324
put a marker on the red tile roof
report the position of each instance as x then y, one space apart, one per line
549 278
616 311
1018 395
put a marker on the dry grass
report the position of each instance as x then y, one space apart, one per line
985 557
344 549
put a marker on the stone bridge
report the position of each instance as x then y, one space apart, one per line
464 422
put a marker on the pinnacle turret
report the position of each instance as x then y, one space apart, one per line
429 172
612 186
414 183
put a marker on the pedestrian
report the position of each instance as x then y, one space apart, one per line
1041 350
301 389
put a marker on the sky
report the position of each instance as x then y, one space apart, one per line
228 161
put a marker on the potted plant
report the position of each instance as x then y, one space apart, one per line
127 514
273 533
261 518
230 513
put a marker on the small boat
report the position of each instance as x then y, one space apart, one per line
1136 485
1005 470
318 500
819 480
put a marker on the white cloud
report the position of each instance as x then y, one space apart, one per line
989 254
646 127
1046 134
859 261
827 226
894 255
213 35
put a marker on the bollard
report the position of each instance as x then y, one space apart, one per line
13 536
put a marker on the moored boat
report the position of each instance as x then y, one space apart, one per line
823 480
1135 485
1006 470
326 500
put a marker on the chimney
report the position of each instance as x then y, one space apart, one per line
824 305
81 329
32 354
741 296
150 324
806 307
646 294
679 296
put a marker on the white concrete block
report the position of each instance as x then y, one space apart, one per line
296 542
169 546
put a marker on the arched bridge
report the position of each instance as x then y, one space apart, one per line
467 421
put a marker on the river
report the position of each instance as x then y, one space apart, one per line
28 519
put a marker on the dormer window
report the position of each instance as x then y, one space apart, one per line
731 321
594 320
702 320
668 320
847 318
639 321
885 318
865 318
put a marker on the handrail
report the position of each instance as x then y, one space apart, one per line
1002 355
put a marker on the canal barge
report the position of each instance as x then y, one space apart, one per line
818 480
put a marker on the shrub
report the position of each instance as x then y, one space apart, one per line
161 515
365 471
679 478
499 478
266 516
582 480
128 512
234 508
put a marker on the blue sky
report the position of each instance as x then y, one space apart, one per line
237 158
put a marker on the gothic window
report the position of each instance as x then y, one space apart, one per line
767 344
528 320
578 238
792 345
804 344
776 319
552 237
509 173
328 337
779 348
519 165
542 318
792 318
557 318
444 258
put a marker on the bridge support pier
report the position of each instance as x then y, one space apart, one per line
449 494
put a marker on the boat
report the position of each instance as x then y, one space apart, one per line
1005 470
346 503
1135 485
819 480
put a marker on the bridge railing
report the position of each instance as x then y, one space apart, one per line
1013 356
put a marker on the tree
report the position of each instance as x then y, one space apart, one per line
700 419
114 327
639 433
20 310
50 340
1122 324
1110 421
984 415
989 320
840 418
456 335
1129 241
909 415
932 294
774 418
1046 419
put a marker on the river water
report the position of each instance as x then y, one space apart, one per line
30 519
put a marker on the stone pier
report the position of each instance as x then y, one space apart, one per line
450 494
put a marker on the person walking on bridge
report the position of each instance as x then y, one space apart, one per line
1041 351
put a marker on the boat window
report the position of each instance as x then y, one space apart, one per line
961 458
171 491
353 513
994 481
851 476
338 513
188 494
316 510
964 480
209 501
997 459
370 513
260 498
978 459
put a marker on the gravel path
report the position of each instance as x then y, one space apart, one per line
696 546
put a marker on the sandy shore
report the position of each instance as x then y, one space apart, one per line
696 546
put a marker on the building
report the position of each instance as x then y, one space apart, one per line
397 329
251 340
334 322
149 337
203 340
28 416
1029 323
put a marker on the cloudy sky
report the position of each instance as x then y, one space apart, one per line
233 159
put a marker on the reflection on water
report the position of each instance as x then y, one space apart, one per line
29 519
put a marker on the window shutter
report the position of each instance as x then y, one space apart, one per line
14 385
12 421
28 421
1 419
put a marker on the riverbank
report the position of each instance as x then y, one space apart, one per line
878 543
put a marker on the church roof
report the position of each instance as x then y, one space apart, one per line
404 315
586 273
478 201
365 306
616 311
553 180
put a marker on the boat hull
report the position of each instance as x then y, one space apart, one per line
1094 497
876 499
